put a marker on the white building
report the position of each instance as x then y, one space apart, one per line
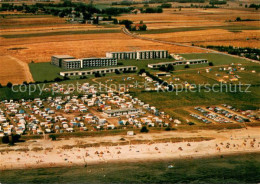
149 54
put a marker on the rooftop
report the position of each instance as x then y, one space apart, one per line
63 56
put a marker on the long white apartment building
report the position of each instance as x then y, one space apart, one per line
139 55
87 63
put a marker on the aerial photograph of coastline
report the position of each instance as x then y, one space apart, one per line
130 91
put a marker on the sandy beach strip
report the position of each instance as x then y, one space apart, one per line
53 153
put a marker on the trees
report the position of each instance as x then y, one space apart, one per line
57 79
97 74
141 71
166 5
117 71
9 85
186 66
211 64
127 23
143 27
5 139
144 129
170 68
238 19
53 137
162 68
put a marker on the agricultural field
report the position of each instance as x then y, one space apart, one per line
202 26
245 38
36 38
13 70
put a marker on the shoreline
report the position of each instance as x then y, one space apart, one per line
229 142
45 166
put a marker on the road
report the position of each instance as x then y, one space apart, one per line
127 32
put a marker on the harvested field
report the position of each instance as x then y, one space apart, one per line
13 70
23 21
249 43
40 49
244 38
190 17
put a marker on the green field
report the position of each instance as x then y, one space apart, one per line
44 71
222 169
170 102
234 28
215 58
62 33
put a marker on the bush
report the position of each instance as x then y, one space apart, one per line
186 66
53 137
144 129
166 5
5 139
117 71
141 71
167 129
9 84
211 64
16 138
57 79
191 123
97 75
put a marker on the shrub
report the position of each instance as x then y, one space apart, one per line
53 137
144 129
211 64
9 84
141 71
167 129
191 123
97 75
57 79
5 139
186 66
117 71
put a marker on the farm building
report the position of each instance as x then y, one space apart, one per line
57 59
187 62
101 71
153 54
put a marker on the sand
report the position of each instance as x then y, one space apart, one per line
224 142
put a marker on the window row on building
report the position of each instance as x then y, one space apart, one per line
100 71
153 54
69 62
186 62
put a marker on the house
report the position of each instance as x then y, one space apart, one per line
119 112
136 11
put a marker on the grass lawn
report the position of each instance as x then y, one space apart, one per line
170 101
215 58
44 71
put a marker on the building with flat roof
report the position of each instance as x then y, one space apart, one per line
139 55
100 71
186 62
57 59
120 112
88 63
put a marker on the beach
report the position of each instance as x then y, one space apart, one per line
72 152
